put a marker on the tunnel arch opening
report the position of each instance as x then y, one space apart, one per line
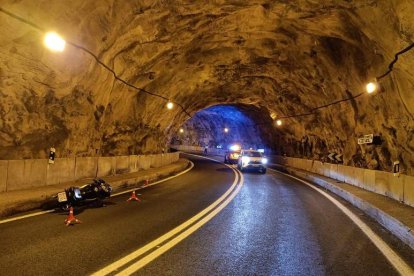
223 125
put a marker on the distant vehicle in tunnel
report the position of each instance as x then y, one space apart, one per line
252 159
232 155
94 192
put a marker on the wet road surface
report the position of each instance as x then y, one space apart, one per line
274 226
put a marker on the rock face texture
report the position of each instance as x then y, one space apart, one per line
282 57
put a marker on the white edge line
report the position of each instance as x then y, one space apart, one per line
113 195
26 216
128 258
156 182
164 248
399 264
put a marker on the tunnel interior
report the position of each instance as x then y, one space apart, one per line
221 126
283 57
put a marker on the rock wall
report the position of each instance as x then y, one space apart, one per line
284 57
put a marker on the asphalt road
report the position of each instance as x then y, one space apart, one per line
273 226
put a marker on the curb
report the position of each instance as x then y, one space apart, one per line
396 227
48 202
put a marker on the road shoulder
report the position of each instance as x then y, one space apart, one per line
396 217
15 202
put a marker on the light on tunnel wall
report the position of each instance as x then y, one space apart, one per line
226 130
170 105
371 87
54 42
279 122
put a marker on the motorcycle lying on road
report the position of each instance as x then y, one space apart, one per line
94 192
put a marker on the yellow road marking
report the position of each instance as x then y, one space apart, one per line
164 248
130 257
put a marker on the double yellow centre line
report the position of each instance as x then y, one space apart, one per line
144 255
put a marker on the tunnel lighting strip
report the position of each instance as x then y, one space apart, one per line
96 58
311 112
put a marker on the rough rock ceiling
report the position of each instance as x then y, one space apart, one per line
282 56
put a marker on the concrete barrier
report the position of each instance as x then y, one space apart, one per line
106 166
408 184
21 174
348 175
133 163
341 173
122 164
359 177
86 167
35 172
63 170
369 181
399 188
3 175
153 161
389 185
15 175
144 162
333 171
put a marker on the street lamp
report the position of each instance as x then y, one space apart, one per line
371 87
170 105
54 42
279 122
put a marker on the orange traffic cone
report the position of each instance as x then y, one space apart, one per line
133 197
71 218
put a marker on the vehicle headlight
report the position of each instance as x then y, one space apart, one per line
235 147
245 159
264 161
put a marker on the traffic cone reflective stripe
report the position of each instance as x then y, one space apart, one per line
71 218
133 197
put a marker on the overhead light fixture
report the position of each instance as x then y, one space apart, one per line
181 130
371 87
54 42
170 105
279 122
226 130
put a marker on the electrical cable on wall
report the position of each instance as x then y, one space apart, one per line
96 58
390 69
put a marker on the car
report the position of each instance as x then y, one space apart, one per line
231 156
252 159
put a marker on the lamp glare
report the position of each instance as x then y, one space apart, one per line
54 42
170 105
279 122
371 87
